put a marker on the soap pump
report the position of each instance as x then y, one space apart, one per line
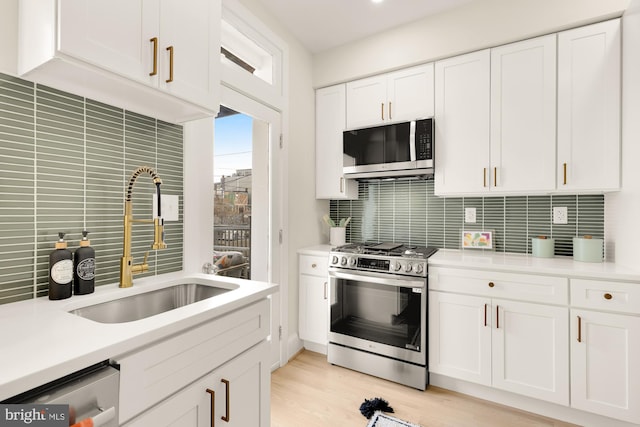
84 267
60 270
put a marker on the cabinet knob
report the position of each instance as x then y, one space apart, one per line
491 284
314 265
608 296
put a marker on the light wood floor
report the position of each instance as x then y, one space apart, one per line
309 392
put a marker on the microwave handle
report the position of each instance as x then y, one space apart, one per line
412 141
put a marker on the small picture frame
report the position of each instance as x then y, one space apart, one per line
477 239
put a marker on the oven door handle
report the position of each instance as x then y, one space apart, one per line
381 279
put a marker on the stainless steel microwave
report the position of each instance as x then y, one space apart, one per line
393 150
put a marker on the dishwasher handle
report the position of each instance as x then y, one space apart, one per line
98 420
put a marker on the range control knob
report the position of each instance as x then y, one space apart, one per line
397 266
408 267
343 261
334 260
352 262
419 268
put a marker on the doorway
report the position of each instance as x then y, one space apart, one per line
251 195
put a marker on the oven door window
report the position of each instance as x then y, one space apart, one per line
379 313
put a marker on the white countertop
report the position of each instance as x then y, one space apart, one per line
41 341
520 263
317 250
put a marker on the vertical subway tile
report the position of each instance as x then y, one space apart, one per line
386 212
418 212
515 224
453 223
494 219
590 215
435 218
17 186
538 217
402 212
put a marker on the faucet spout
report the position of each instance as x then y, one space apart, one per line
127 268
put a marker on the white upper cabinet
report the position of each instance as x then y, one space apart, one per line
589 107
402 95
462 100
523 116
330 123
117 51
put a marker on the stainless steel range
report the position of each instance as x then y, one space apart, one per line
378 310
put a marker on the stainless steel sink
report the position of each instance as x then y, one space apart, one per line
147 304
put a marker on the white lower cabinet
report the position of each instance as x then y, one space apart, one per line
314 309
237 394
518 346
167 383
605 349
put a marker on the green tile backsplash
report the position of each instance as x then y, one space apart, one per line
407 211
65 161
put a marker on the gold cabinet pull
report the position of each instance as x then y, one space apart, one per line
213 406
485 315
579 329
170 79
491 284
608 296
326 294
497 317
342 184
382 111
314 265
227 416
564 173
154 40
390 118
484 177
495 177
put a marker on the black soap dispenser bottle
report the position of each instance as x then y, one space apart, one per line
60 271
84 267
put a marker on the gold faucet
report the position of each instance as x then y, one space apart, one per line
127 268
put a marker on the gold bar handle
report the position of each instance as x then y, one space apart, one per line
579 329
154 40
495 177
390 118
497 317
213 406
382 111
326 296
485 315
484 177
170 79
564 172
227 394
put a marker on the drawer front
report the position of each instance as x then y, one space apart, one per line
158 371
606 295
496 284
314 265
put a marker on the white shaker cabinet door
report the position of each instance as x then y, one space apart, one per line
589 107
366 102
410 93
605 350
114 35
330 123
523 116
460 336
462 99
530 351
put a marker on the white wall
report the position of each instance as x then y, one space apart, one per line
476 25
9 36
622 208
304 212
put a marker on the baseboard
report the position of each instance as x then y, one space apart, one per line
315 347
294 346
525 403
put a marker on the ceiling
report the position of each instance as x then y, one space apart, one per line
324 24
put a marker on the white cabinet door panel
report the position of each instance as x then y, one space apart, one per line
530 350
462 99
523 115
410 93
589 107
366 102
605 350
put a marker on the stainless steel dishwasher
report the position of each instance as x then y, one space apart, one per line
91 393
